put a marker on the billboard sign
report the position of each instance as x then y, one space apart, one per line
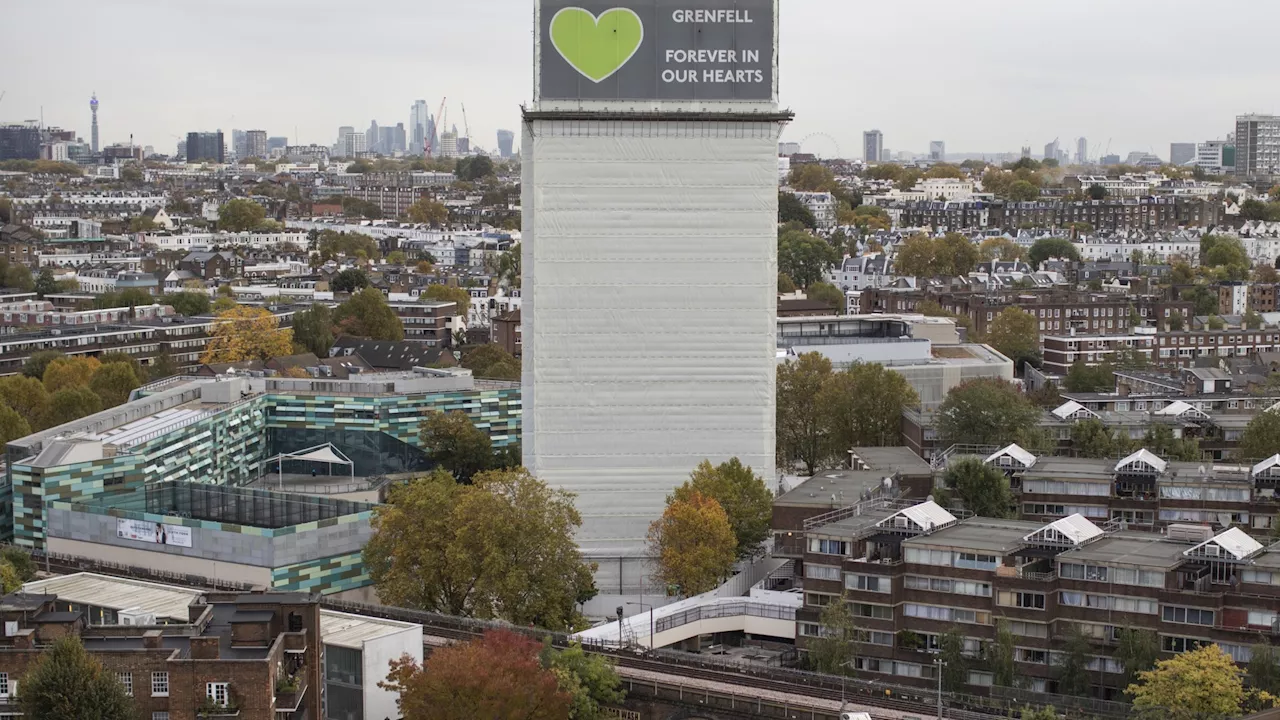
151 532
656 50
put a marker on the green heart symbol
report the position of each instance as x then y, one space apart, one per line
596 46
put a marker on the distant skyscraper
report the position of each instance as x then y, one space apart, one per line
788 149
372 138
355 145
1181 153
449 145
506 141
1026 151
93 108
937 151
255 142
239 147
1051 150
182 148
202 146
464 146
1082 151
872 146
1257 143
277 142
340 147
20 141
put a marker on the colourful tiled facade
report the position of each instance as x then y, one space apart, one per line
325 576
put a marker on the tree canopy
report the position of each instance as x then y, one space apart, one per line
1001 248
812 177
805 258
1204 682
69 372
827 293
801 426
366 314
834 650
746 500
189 303
428 211
1226 256
247 333
491 361
790 210
923 256
1016 334
449 293
454 443
985 411
1261 438
1047 248
313 330
588 678
983 488
349 281
501 547
113 383
240 215
693 544
66 681
72 403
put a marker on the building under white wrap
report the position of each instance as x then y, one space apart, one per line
649 317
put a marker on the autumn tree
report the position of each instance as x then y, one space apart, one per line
454 443
442 292
812 177
499 548
805 258
66 681
1000 248
862 406
69 372
247 333
240 215
113 383
72 403
428 211
923 256
835 648
497 677
313 330
1047 248
827 293
742 494
693 544
28 397
366 314
983 488
1016 334
1199 683
801 429
985 411
12 425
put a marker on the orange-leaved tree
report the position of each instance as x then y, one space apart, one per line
247 333
694 544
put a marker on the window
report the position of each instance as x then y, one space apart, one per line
1189 616
870 583
1028 600
984 679
159 684
946 614
126 679
4 685
828 547
875 637
948 585
160 715
928 557
1031 655
1028 629
218 692
975 561
821 572
1180 644
878 612
819 599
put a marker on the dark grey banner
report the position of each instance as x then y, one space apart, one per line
656 50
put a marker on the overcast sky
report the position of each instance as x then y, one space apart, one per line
981 75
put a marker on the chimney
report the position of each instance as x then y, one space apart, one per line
152 639
205 648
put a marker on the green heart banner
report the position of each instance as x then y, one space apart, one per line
596 46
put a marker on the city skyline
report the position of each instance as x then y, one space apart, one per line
1000 106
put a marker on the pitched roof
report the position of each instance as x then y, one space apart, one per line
1145 456
1069 408
1233 541
387 355
927 516
1025 458
1266 465
1074 529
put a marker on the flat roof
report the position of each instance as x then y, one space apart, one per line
1130 548
353 631
991 535
167 601
893 459
845 485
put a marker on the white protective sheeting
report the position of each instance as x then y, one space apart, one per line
1234 541
926 516
1074 529
1015 451
649 304
1069 408
1143 456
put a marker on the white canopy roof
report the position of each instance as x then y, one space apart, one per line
927 516
1074 529
1233 541
1266 465
1178 408
1069 408
326 453
1145 456
1025 458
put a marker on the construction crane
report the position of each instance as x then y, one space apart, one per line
439 123
466 126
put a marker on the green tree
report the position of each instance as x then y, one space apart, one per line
499 548
1073 667
1053 248
1001 248
491 361
1226 255
1016 334
785 285
1200 683
1096 192
366 314
1159 439
1253 320
70 404
790 210
1264 667
1023 191
163 366
70 372
441 292
240 215
1137 652
590 679
1001 655
474 168
692 544
28 397
1215 323
835 648
113 383
453 442
985 411
827 293
68 682
742 494
349 281
1176 323
331 244
189 303
983 488
428 211
12 425
1083 377
313 330
862 407
19 277
955 668
1261 437
20 561
801 425
1091 438
1042 713
45 283
804 258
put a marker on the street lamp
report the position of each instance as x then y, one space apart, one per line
940 663
644 605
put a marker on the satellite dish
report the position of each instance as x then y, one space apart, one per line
930 498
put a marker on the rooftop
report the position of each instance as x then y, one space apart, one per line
833 489
163 601
353 631
1130 548
988 535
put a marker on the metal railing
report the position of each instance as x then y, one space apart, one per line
857 509
940 460
711 612
186 422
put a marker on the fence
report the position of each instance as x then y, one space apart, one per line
710 612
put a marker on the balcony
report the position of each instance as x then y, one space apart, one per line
289 693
